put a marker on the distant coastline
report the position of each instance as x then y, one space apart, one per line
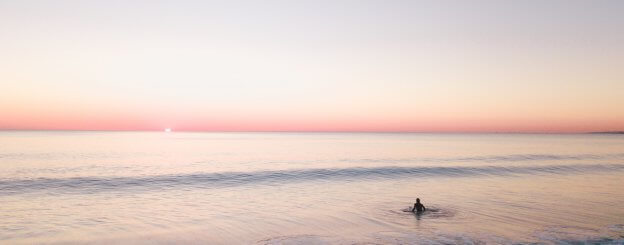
608 132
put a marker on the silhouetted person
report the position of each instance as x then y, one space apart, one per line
418 207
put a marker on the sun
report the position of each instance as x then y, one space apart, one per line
167 130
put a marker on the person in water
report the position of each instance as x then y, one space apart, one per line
418 207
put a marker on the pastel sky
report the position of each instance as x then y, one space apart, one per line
425 66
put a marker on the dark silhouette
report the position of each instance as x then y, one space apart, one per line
418 207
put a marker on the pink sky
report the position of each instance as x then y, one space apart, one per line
312 66
128 121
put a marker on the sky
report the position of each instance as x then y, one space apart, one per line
413 66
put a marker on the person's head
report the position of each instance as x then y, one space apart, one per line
417 200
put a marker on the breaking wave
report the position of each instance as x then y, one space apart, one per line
229 179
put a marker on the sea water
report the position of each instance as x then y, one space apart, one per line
309 188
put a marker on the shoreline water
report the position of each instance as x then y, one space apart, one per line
332 188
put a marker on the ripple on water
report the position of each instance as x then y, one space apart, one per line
299 239
566 234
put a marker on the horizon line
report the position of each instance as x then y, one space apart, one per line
313 131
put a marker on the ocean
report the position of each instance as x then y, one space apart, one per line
75 187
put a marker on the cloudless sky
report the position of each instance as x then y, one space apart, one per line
426 66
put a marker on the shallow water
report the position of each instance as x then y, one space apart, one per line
309 188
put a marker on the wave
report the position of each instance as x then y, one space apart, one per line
392 237
482 158
497 158
229 179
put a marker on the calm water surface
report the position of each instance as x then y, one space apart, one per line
309 188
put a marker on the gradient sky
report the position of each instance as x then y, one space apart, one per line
441 66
